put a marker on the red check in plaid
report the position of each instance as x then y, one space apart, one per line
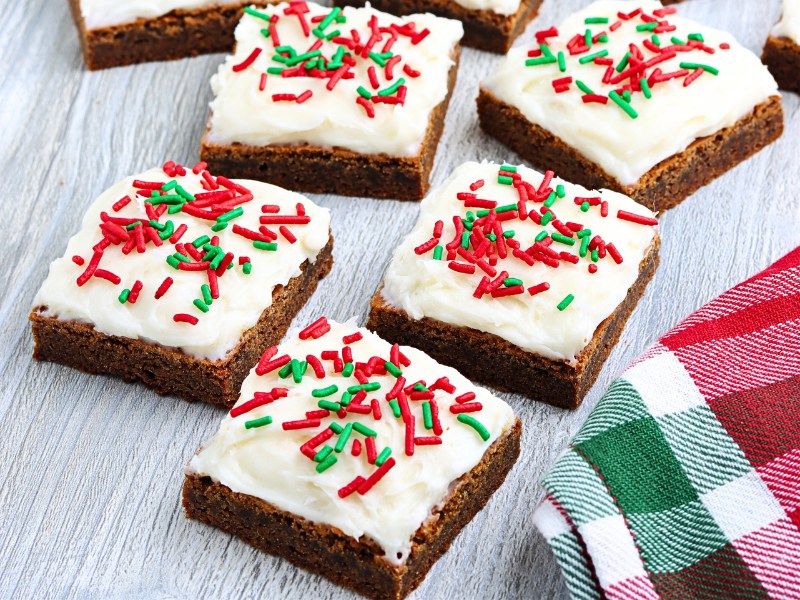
684 482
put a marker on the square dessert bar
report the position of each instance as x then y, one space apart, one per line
519 280
352 458
631 97
180 279
114 33
348 101
782 50
490 25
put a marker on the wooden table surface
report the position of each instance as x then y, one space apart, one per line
91 468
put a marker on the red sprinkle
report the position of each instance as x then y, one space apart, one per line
248 61
184 318
634 218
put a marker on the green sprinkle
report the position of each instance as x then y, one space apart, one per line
169 199
492 237
172 261
505 180
258 422
626 95
585 207
298 369
329 18
347 398
511 281
645 88
392 89
623 104
123 297
624 62
551 199
246 268
427 415
254 13
364 92
325 392
170 185
186 195
587 38
437 253
156 225
169 229
509 168
584 247
231 214
565 302
542 236
697 37
336 428
546 218
476 425
348 369
201 305
367 387
274 70
383 456
378 58
395 408
647 26
418 387
465 240
206 291
595 255
218 258
583 233
562 62
364 430
506 208
483 212
509 234
295 60
563 239
542 60
655 39
602 38
201 241
272 246
285 371
560 191
323 454
327 463
133 225
589 58
583 87
545 49
265 32
343 437
393 368
706 68
175 209
596 21
328 405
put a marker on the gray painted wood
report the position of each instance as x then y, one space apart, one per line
91 468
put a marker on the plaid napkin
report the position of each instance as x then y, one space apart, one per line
684 482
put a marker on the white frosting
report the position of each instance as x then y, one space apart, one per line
789 25
243 113
242 298
424 287
501 7
106 13
672 119
265 462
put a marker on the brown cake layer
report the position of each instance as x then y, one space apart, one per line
662 187
177 34
782 57
326 551
483 29
169 370
508 367
305 168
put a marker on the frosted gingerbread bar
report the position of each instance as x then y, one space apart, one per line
123 32
355 459
349 101
180 279
519 280
632 97
782 50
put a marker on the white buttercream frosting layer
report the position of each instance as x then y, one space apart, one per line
423 286
789 25
107 13
242 297
266 461
676 114
501 7
246 108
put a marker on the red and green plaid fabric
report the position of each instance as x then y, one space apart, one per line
684 482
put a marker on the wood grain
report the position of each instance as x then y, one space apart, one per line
91 468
